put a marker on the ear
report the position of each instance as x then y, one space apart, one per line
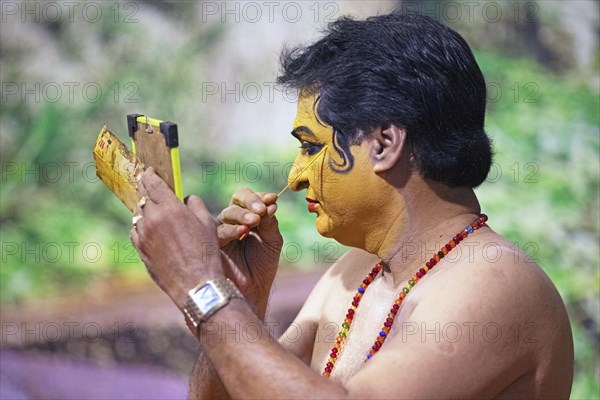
387 144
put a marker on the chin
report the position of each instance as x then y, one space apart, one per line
326 228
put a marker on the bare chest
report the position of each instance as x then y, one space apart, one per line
364 329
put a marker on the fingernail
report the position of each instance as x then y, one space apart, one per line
249 217
243 236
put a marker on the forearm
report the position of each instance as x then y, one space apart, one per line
205 382
252 364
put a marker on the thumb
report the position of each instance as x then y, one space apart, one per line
269 226
199 209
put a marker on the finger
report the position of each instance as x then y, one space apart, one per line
268 198
227 233
138 209
155 188
271 210
199 209
250 200
140 188
269 222
237 215
135 238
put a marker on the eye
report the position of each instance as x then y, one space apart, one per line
310 148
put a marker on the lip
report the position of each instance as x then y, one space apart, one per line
312 204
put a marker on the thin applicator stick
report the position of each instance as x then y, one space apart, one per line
243 236
301 172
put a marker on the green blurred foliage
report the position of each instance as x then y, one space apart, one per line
70 231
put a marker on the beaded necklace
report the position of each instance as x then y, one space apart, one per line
387 325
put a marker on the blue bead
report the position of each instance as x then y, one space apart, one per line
368 356
361 290
469 229
382 334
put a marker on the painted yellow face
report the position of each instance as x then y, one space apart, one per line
348 205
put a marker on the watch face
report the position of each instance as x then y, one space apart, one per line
206 298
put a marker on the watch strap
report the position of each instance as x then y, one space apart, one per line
224 289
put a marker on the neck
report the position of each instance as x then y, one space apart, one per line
431 215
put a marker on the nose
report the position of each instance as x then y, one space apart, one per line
298 176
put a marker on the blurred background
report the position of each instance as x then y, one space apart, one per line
80 317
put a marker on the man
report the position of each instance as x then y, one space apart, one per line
390 122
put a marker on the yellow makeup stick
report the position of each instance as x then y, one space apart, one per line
292 181
301 172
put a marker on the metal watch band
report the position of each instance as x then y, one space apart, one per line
222 290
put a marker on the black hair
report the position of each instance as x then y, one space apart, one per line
402 69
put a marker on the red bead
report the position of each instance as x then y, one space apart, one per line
350 311
329 364
448 247
335 350
366 281
328 369
419 274
388 324
432 263
333 355
355 303
395 307
390 320
422 271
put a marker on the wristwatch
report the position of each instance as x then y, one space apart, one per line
207 298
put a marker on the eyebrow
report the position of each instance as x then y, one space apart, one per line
302 129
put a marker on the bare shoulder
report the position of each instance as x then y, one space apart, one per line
491 298
487 320
491 277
